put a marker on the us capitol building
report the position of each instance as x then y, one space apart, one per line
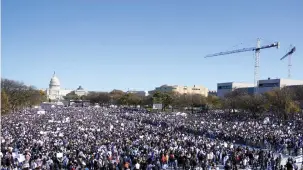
55 93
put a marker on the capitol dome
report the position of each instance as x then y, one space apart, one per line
54 82
80 88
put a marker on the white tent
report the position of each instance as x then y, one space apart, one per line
266 120
60 104
41 112
181 114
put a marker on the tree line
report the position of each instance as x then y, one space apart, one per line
16 95
169 100
116 97
283 102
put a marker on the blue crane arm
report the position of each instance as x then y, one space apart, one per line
230 52
276 44
244 50
289 53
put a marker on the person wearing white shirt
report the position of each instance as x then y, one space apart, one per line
245 162
137 166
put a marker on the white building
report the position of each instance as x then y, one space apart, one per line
263 86
224 88
270 84
201 90
56 93
80 91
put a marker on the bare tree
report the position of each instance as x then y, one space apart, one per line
214 102
116 95
281 102
147 101
231 100
20 95
72 96
103 98
4 103
253 104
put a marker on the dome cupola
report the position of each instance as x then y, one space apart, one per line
80 88
54 82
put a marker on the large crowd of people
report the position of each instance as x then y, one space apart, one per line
135 139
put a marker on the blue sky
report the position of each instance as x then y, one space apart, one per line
120 44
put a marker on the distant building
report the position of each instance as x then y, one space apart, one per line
247 90
80 91
270 84
295 86
182 89
263 86
55 93
151 92
212 93
225 88
96 92
139 93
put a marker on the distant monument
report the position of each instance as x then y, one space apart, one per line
54 92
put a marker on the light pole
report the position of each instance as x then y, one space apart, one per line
192 104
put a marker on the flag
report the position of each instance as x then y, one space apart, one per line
113 146
152 157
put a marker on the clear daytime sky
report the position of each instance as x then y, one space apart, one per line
120 44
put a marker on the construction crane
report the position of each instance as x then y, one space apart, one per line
257 58
293 49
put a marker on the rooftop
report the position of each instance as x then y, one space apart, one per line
80 88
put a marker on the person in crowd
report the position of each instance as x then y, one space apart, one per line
128 138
